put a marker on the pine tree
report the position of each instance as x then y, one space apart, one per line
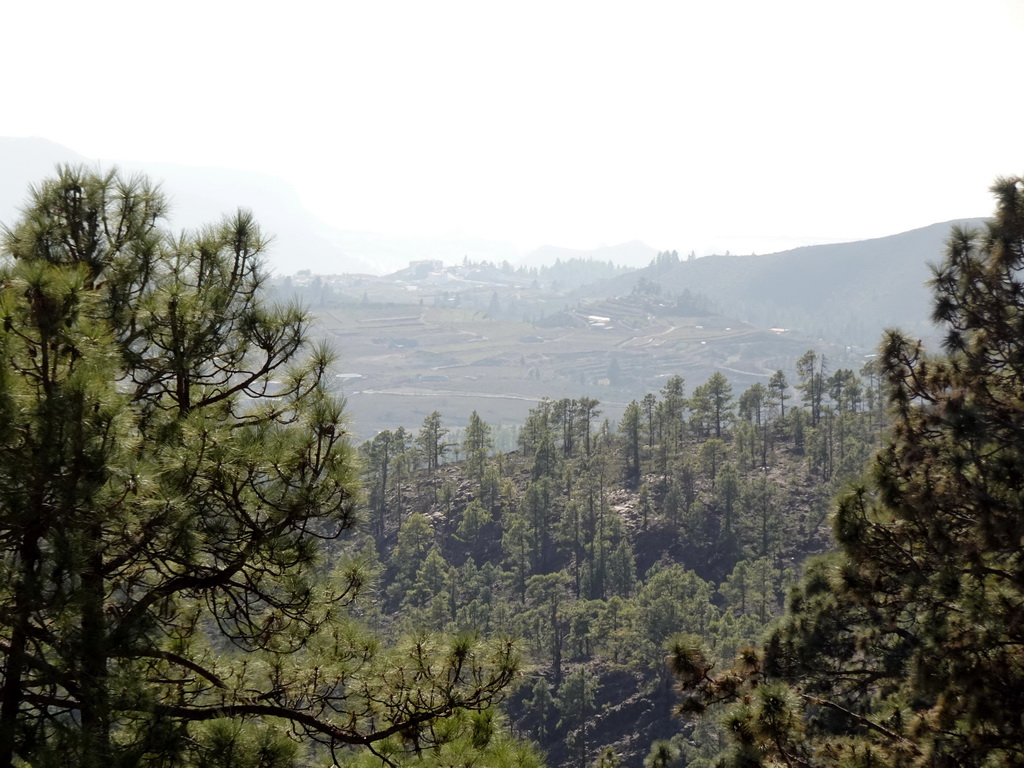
173 467
906 648
672 414
630 429
778 386
476 444
576 705
810 368
380 453
431 443
705 407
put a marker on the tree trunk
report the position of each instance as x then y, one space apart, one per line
17 654
92 659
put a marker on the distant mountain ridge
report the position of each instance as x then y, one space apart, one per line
843 291
846 291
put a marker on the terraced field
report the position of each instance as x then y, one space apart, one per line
400 362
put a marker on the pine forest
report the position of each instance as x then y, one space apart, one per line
201 567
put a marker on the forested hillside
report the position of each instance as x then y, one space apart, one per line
192 572
906 647
597 545
178 585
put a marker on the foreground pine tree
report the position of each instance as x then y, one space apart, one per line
906 648
173 470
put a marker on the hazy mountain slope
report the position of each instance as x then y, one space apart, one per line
301 240
847 291
198 196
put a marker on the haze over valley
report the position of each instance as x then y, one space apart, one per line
479 326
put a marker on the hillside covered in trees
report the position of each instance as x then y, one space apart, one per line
199 568
905 647
600 545
177 503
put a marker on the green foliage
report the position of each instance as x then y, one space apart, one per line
778 387
555 541
237 744
671 600
542 708
763 524
545 619
630 428
388 464
608 759
430 587
476 444
905 647
431 443
174 469
753 587
576 705
415 540
711 406
468 740
662 755
475 520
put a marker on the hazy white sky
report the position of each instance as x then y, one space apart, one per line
723 124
